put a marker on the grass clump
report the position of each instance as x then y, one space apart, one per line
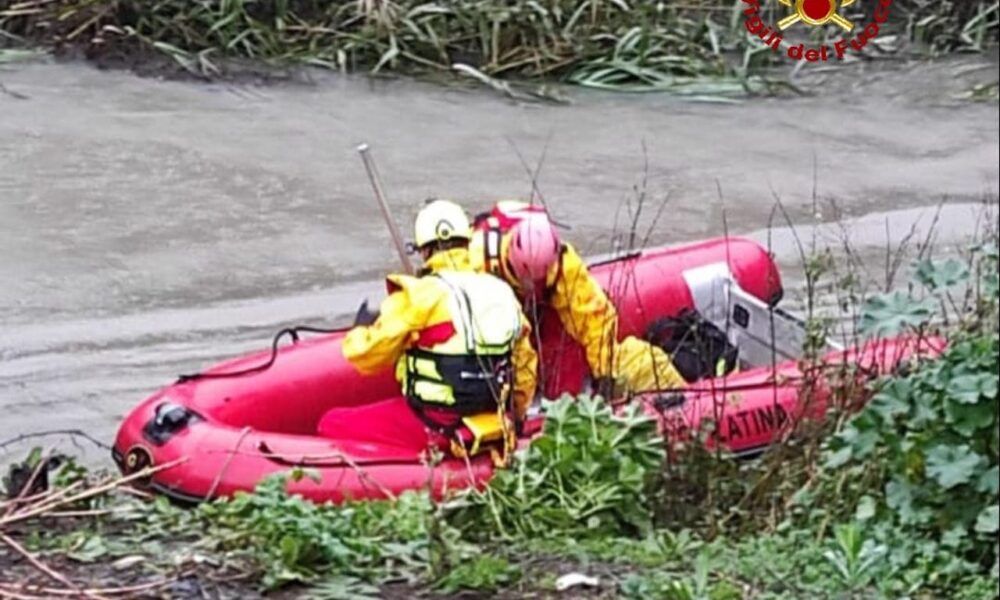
485 573
943 26
519 39
699 47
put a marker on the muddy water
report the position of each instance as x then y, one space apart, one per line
150 227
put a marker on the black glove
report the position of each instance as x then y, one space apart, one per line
604 387
365 316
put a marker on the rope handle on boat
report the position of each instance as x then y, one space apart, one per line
292 332
319 462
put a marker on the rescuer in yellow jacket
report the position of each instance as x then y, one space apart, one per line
460 344
516 241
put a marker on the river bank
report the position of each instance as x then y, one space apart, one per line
705 47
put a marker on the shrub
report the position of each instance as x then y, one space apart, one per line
922 457
587 474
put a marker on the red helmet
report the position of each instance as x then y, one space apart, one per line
533 247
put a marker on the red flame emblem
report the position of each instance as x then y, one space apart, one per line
816 12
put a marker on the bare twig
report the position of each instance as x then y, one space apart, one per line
225 465
656 220
927 246
71 514
9 588
90 493
51 498
533 174
35 562
131 491
37 434
305 460
894 259
26 499
640 197
12 593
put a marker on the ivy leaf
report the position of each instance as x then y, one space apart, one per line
939 275
989 520
887 314
952 465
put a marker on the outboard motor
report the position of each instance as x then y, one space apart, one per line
728 322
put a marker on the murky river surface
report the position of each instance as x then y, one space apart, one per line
148 228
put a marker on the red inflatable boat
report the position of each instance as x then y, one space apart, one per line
227 431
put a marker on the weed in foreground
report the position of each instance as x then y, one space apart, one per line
588 475
901 501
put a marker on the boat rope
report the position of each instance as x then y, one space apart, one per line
340 460
292 332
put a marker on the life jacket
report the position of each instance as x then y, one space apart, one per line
494 225
464 367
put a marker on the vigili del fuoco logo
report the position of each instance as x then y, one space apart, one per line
816 13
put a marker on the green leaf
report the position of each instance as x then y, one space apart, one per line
952 465
893 400
989 520
93 548
989 482
866 508
484 572
966 419
954 537
888 314
838 458
968 389
900 497
939 275
299 473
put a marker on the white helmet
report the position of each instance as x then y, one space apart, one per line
440 221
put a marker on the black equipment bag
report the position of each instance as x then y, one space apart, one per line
697 347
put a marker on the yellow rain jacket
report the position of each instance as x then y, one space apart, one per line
590 318
422 302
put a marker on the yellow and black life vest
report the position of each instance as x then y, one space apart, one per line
470 372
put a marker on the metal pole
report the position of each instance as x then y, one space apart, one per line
397 239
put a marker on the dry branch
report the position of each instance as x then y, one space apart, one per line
38 564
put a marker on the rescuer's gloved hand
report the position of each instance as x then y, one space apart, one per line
365 316
609 388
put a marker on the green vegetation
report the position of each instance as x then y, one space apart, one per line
903 500
600 43
588 476
696 47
